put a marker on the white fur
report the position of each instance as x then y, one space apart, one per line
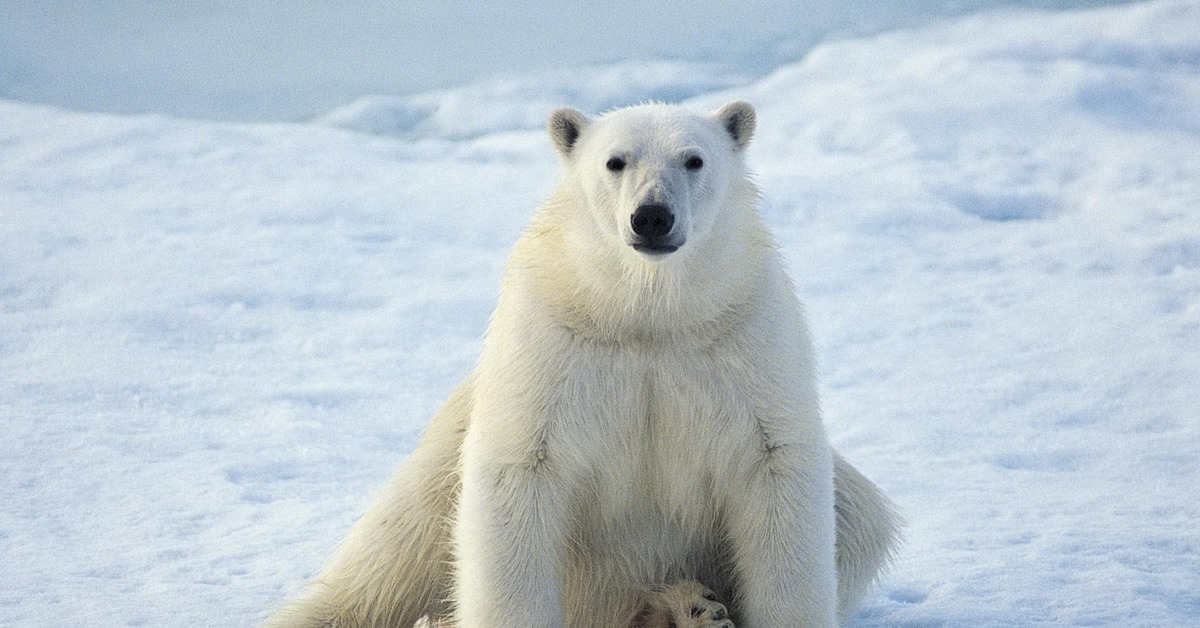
633 418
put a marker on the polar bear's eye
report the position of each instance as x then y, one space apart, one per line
615 164
693 163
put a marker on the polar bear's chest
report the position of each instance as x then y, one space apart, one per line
669 430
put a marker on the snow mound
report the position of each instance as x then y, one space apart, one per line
521 103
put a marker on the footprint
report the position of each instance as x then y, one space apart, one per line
1049 461
1003 205
907 595
1168 257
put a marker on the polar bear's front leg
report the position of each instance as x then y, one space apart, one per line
508 534
782 529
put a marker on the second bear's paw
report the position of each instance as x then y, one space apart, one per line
686 604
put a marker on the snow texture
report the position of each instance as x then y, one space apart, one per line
505 104
217 340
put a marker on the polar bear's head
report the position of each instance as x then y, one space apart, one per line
654 177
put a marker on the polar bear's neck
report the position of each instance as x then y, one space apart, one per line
611 294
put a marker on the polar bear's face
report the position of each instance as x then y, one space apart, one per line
655 178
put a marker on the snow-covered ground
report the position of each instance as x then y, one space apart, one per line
216 340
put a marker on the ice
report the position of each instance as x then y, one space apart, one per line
274 60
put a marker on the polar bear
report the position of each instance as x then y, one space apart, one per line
644 409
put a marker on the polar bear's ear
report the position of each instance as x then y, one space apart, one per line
565 126
737 118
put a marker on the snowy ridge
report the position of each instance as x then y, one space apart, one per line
523 103
217 340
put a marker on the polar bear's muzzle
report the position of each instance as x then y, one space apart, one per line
652 224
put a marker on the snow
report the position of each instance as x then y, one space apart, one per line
521 103
273 60
218 339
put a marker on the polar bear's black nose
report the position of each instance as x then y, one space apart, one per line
652 221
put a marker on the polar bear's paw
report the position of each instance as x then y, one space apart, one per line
686 604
